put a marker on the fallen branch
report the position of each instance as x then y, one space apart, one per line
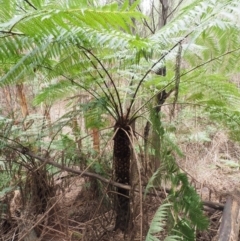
68 169
229 228
213 205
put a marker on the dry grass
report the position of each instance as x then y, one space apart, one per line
213 164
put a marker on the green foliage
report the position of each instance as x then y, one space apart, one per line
88 26
54 92
158 223
189 201
94 113
5 179
184 215
184 206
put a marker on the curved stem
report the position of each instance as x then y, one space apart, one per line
146 74
110 78
185 73
30 4
93 93
110 98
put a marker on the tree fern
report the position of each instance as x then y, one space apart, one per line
91 47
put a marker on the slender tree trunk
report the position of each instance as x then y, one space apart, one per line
47 117
162 96
22 100
9 102
122 156
133 30
162 20
153 163
76 130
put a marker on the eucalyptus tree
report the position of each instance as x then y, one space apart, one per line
93 48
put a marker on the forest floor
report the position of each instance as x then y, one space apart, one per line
78 215
212 167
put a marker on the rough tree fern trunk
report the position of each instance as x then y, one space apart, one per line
122 156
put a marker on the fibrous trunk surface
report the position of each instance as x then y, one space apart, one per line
122 155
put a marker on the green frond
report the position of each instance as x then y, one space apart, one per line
188 201
152 181
218 50
163 150
54 20
51 32
193 20
227 119
94 113
183 197
212 90
158 223
61 89
25 64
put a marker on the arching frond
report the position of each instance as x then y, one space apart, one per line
54 30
